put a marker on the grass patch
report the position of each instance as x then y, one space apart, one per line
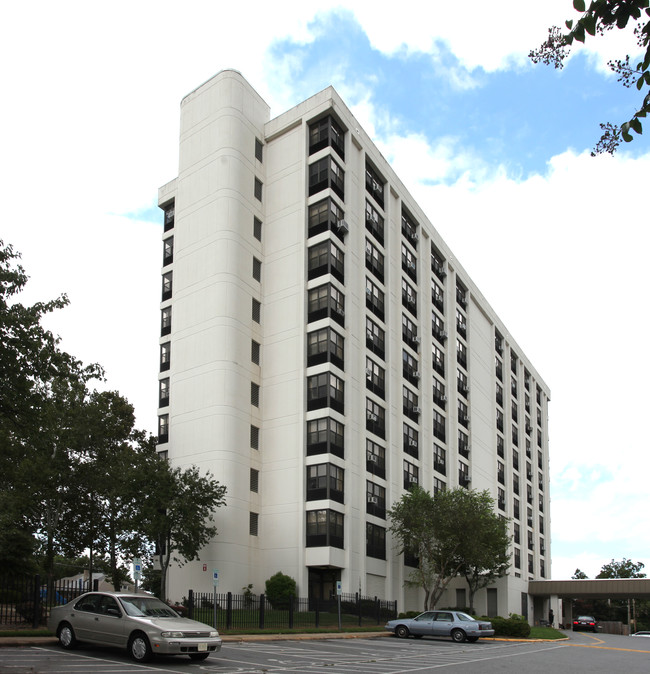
26 633
546 633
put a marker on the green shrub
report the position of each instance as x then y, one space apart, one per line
513 626
279 588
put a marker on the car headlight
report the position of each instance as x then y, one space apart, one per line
214 634
172 635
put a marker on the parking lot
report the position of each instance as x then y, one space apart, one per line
384 655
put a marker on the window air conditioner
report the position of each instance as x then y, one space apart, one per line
373 499
412 478
417 410
343 226
372 417
371 457
413 443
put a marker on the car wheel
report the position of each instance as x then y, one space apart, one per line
139 648
66 636
199 656
458 636
402 631
472 640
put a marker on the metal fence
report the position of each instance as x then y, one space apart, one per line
25 601
237 611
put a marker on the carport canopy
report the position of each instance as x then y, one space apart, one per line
599 588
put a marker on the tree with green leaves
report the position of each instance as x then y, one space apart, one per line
579 575
486 556
444 534
626 568
598 18
177 511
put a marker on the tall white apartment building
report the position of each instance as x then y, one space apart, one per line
322 350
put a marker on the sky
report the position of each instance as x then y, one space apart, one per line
495 149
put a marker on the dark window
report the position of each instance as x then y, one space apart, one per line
410 368
461 323
375 541
375 418
326 301
375 378
463 474
462 385
375 222
498 343
439 426
258 189
410 229
166 286
168 251
438 485
255 480
437 297
324 481
253 526
375 338
409 263
325 258
257 269
439 397
165 321
325 345
440 459
326 215
163 392
163 428
501 472
374 184
375 459
325 390
461 294
256 310
461 353
463 414
259 149
255 394
374 260
170 212
255 437
375 500
325 436
437 263
257 228
410 438
326 132
501 500
410 403
165 356
255 352
438 328
409 297
410 333
324 528
438 358
326 173
463 444
411 475
374 299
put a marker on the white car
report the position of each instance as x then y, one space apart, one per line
140 623
643 633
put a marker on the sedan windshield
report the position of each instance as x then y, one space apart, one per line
140 606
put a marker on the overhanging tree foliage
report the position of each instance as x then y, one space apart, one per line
445 534
600 17
626 568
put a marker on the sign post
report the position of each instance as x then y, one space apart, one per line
137 571
215 583
338 600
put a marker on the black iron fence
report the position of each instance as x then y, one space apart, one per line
238 611
25 601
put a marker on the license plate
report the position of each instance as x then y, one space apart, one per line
202 647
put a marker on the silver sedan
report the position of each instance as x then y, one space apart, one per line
455 624
141 623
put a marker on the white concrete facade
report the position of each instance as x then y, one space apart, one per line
254 309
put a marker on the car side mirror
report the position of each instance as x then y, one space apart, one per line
114 612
